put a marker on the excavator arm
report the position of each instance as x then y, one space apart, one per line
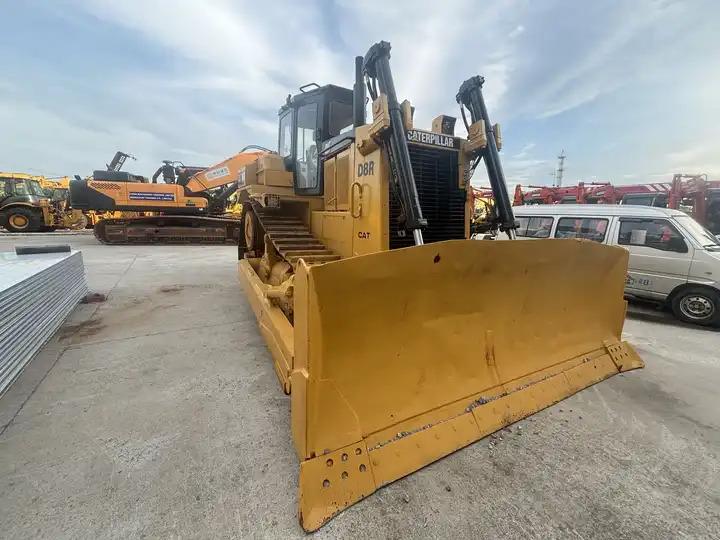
225 173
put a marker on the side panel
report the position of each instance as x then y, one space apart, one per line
335 229
655 273
369 203
103 195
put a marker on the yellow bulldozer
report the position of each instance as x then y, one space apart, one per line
400 339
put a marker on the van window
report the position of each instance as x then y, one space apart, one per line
587 228
653 233
534 227
701 235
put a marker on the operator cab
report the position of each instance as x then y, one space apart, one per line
307 122
14 189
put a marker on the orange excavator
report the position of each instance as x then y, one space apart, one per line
188 208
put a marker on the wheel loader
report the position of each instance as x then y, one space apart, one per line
26 206
399 339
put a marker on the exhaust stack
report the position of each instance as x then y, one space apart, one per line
359 94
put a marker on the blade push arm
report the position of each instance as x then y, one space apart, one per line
377 68
470 96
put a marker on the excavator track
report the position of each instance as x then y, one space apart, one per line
292 239
168 230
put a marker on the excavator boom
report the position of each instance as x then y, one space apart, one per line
224 173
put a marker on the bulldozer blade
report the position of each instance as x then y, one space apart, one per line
405 356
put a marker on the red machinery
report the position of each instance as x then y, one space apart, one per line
592 193
699 197
694 194
552 195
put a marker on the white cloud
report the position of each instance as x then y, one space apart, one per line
515 32
236 46
62 142
691 154
210 75
524 151
600 63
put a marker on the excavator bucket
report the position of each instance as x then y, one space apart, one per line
402 357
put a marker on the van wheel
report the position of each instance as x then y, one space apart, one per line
23 220
697 305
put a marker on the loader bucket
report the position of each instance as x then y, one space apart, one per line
405 356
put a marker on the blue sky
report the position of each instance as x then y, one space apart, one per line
629 89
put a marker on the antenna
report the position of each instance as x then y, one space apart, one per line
560 169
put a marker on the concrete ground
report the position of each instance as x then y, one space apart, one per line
158 414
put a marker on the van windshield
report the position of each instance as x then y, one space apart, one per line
701 235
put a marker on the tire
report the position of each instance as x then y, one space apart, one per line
697 305
22 219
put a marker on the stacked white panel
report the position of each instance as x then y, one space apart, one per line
37 293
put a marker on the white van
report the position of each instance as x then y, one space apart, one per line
673 259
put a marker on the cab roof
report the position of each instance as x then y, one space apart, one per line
19 176
338 93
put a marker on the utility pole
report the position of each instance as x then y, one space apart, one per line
560 169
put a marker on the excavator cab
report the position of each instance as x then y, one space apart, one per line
307 121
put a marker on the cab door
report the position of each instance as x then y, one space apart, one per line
660 257
307 179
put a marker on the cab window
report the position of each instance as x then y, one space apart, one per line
340 118
653 233
640 200
306 152
657 200
35 188
534 227
21 188
587 228
285 142
660 201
